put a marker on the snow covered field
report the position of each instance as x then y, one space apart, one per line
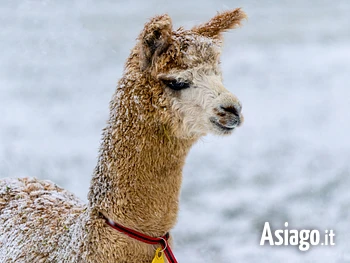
290 161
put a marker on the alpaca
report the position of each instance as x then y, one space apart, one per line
170 95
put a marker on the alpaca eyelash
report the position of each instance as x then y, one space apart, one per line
177 85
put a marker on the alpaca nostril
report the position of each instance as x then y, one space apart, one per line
232 109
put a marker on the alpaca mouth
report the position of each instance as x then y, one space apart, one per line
224 128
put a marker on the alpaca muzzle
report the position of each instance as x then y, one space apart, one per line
228 116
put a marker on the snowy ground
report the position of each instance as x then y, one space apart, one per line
290 67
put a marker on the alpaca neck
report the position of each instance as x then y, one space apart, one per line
138 176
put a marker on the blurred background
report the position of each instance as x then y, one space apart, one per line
290 161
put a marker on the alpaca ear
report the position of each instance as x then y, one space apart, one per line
154 39
220 23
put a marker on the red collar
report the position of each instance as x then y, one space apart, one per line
163 241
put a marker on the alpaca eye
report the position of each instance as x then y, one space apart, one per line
177 85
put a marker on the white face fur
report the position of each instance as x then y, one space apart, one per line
200 102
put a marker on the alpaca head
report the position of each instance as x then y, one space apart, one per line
184 67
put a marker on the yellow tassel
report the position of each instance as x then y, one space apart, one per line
158 257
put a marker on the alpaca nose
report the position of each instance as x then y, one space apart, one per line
235 109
